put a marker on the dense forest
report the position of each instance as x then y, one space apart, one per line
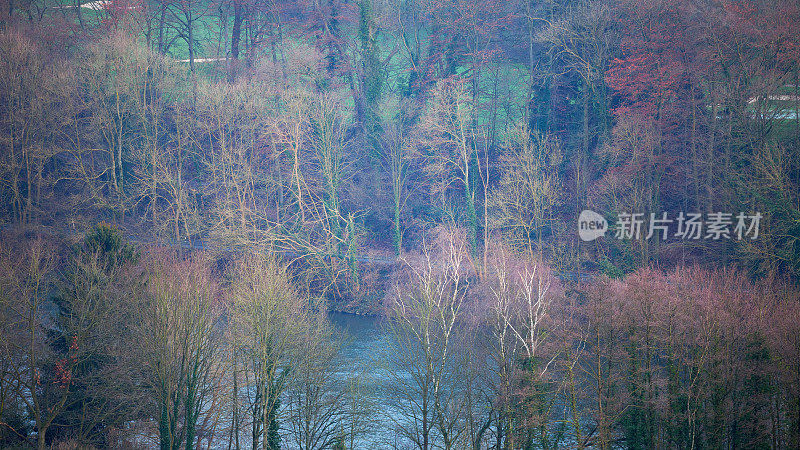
578 222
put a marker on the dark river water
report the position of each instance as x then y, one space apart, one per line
362 357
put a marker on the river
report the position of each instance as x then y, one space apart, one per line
361 357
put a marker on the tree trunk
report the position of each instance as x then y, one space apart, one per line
587 98
236 35
161 20
40 442
190 26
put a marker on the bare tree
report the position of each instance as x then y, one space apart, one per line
268 323
187 17
530 188
135 164
316 224
179 344
582 40
424 354
397 159
37 377
26 124
288 133
94 300
449 147
232 138
518 316
316 401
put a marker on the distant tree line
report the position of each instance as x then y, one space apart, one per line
335 128
105 345
457 140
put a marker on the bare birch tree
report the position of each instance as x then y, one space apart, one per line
425 355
